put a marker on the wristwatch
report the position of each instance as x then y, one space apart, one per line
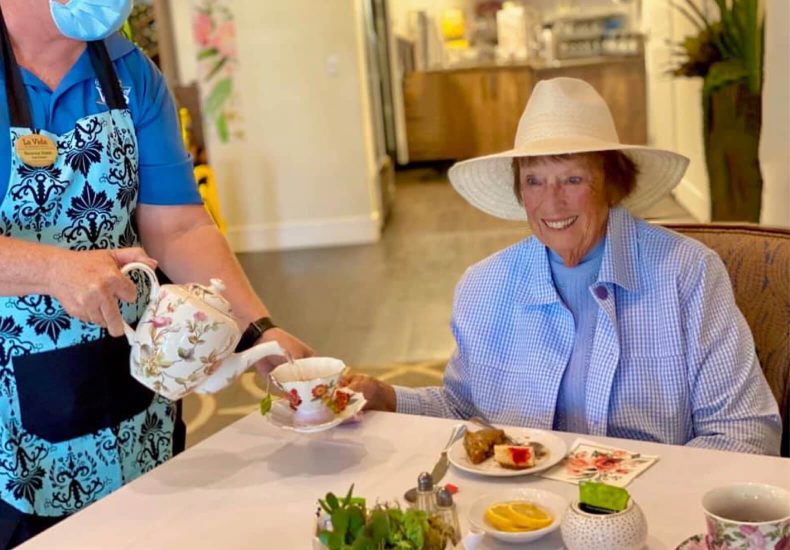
254 331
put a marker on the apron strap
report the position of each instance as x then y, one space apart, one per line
18 107
105 72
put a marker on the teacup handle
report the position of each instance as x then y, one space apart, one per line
151 274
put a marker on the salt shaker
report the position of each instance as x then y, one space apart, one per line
445 509
426 499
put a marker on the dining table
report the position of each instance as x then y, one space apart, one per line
254 485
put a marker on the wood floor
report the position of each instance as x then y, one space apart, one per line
385 307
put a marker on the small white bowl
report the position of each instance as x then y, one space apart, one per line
626 530
552 503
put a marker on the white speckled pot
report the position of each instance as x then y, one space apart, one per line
626 530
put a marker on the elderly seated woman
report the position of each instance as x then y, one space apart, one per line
599 323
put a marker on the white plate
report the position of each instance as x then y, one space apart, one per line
282 415
554 445
552 503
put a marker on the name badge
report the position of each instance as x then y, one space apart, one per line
36 150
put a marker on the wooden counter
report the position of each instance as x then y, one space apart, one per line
463 113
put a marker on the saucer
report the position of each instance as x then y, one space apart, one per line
694 542
282 415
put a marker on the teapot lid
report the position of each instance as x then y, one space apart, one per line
211 295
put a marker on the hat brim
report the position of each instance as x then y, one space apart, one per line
487 182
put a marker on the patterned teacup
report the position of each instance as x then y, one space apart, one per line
311 387
747 516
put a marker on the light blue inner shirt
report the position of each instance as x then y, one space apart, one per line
573 285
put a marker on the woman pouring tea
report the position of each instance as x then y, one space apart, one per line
93 176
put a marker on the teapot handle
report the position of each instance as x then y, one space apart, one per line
151 274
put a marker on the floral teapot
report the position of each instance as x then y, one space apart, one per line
185 339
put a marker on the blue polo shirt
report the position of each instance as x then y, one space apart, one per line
166 176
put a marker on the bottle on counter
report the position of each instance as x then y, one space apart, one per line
547 39
445 509
426 495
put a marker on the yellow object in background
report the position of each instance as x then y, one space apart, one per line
186 123
461 44
207 185
204 175
452 25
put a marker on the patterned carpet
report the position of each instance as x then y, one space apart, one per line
207 414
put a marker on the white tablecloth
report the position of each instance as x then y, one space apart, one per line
255 486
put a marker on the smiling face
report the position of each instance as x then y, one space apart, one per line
566 202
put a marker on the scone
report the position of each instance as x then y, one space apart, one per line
479 444
514 457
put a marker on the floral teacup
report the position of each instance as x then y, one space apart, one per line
311 387
747 516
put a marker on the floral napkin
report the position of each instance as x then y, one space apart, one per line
589 461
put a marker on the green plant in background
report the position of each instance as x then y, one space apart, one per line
140 28
728 54
726 51
354 527
126 30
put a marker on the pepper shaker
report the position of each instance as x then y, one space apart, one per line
426 499
446 511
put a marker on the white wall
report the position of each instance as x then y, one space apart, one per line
675 105
304 175
186 52
775 138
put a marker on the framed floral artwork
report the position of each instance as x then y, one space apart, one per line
214 29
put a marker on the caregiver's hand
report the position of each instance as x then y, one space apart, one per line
287 341
89 283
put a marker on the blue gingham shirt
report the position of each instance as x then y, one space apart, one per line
672 357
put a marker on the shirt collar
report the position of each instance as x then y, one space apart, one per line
535 286
117 47
619 264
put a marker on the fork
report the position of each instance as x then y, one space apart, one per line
480 421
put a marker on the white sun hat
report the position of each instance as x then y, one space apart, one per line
562 116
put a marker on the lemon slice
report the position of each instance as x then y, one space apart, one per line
526 515
498 515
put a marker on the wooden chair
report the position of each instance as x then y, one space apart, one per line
758 262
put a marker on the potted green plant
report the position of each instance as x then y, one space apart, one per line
728 54
348 524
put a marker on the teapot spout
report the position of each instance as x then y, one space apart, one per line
233 366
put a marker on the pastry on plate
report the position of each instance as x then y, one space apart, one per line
514 457
479 445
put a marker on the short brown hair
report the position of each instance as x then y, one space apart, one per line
620 172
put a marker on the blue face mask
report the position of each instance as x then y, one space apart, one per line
89 19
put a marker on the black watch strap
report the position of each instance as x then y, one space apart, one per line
253 332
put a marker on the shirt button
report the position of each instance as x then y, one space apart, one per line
601 292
